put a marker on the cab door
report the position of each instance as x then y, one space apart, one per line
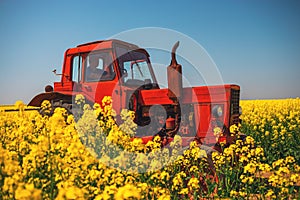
100 79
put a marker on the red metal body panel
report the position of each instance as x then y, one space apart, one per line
156 96
201 94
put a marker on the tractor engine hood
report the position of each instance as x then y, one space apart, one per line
194 95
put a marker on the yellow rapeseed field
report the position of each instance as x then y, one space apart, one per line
54 157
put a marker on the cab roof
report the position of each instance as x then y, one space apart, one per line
100 44
109 42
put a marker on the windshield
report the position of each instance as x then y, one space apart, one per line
134 66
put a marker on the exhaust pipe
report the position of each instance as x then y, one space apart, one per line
174 73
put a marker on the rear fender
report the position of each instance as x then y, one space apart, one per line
50 96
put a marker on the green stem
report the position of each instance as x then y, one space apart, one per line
52 182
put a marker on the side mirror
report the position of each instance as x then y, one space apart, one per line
56 74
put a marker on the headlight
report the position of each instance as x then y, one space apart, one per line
217 111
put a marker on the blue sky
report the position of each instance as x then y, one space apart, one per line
254 43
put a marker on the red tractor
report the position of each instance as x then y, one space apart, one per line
123 71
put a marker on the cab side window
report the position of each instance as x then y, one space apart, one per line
76 68
99 67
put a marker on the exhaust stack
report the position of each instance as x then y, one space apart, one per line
174 73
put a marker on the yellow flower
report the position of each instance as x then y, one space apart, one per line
234 128
259 151
283 170
242 194
177 182
289 159
46 107
128 191
20 105
164 197
234 193
217 132
194 169
164 176
107 100
108 192
250 167
70 192
295 178
270 194
249 140
264 167
184 191
193 184
28 191
79 99
267 133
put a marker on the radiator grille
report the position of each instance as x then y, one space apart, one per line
235 99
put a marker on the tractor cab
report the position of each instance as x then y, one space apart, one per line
106 68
